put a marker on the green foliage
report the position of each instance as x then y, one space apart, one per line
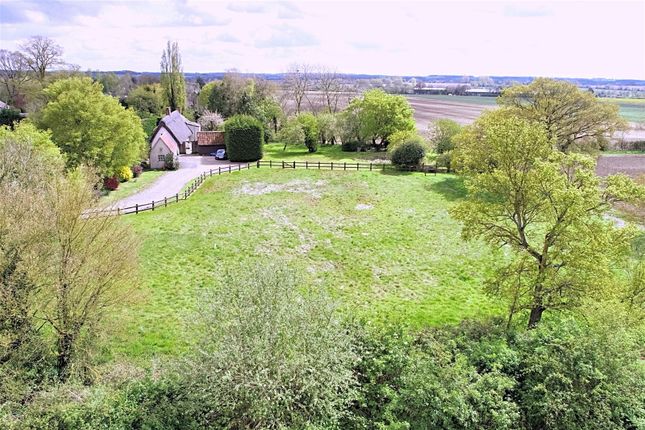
205 94
170 162
149 124
376 116
350 146
577 376
400 137
9 116
90 127
272 355
244 138
146 99
443 134
292 133
327 127
26 133
173 83
571 116
124 174
309 125
544 206
408 154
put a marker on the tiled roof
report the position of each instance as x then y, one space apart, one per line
206 138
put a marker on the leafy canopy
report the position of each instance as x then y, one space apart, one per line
90 127
570 116
545 206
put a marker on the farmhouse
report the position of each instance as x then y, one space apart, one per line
175 135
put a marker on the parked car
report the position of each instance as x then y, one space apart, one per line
220 154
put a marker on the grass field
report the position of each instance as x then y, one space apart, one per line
129 188
274 151
383 244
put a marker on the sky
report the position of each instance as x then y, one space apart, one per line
599 39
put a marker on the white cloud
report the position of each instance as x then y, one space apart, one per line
594 39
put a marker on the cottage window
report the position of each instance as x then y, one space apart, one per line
161 157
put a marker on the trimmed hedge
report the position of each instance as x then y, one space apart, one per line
244 138
408 154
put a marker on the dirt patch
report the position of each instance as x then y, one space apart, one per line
631 164
312 188
307 241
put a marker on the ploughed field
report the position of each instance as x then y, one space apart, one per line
383 244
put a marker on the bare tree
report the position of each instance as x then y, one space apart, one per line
13 74
330 85
296 84
42 54
91 263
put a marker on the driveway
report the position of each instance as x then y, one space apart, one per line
171 183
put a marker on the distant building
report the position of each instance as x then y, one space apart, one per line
483 92
430 90
175 135
209 142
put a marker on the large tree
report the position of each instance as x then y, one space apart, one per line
172 77
14 74
570 116
146 99
91 127
377 115
545 207
297 82
42 54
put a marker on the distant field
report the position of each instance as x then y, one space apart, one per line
632 110
382 243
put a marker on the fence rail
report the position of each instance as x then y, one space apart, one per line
197 182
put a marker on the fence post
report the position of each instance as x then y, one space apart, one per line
294 164
165 202
229 168
345 166
118 210
357 166
153 205
370 167
210 172
136 208
306 164
332 165
436 165
258 164
384 167
270 164
177 198
319 165
185 194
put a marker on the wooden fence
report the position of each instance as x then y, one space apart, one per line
197 182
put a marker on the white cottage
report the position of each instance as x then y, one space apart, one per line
175 135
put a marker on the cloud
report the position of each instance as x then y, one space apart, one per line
527 11
248 7
366 46
228 38
287 37
288 10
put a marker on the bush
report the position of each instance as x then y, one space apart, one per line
244 138
292 133
170 162
124 174
408 154
111 183
310 127
9 116
137 170
400 137
272 355
350 146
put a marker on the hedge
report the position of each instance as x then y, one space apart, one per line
244 138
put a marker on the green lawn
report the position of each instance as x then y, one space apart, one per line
133 186
382 243
275 151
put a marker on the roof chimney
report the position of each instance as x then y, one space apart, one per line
168 110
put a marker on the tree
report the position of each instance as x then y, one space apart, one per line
443 134
205 93
380 115
327 128
14 74
310 126
569 115
329 83
545 207
110 83
296 84
91 127
273 354
210 121
42 54
292 133
172 78
146 99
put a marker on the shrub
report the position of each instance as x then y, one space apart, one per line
170 162
310 127
292 133
408 154
111 183
9 116
350 146
400 137
273 355
124 174
244 138
137 170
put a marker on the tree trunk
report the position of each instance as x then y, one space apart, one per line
536 316
65 343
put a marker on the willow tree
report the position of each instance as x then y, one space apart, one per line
172 78
545 208
570 116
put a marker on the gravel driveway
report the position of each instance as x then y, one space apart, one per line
170 183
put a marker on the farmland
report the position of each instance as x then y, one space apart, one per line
409 266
